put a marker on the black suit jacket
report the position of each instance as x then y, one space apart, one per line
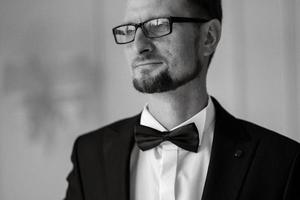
247 162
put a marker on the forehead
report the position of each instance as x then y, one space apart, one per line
141 10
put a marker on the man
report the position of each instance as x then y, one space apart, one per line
183 145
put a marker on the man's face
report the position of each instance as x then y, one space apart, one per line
165 63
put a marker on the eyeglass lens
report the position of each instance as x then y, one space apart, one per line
152 29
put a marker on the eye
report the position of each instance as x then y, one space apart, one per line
129 30
119 32
158 22
157 27
125 30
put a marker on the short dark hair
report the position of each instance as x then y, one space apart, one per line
213 8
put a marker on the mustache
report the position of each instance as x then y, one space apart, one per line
147 58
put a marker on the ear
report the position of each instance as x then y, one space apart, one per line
212 36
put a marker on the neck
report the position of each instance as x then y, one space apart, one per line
174 107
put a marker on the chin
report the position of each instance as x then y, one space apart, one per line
161 82
155 84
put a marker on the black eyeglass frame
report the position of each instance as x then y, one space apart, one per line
171 21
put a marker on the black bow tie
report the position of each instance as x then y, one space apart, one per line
185 137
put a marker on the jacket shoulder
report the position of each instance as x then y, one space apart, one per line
269 139
116 126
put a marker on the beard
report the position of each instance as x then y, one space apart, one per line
163 81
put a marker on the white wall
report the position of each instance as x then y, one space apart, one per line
258 63
61 75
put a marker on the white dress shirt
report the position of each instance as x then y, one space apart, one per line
168 172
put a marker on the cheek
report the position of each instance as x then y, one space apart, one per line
190 48
179 52
127 53
168 48
185 55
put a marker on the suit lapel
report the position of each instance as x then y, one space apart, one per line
232 153
117 147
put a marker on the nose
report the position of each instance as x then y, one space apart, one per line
141 43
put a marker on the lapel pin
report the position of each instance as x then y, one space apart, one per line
238 153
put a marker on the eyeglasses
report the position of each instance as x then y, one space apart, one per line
152 28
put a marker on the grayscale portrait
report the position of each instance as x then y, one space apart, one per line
150 100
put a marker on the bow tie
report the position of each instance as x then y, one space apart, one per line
185 137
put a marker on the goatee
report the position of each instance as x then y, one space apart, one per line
163 81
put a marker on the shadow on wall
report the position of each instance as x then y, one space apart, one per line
53 94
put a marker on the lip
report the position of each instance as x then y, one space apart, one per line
147 64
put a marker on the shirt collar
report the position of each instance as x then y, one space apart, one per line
202 119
